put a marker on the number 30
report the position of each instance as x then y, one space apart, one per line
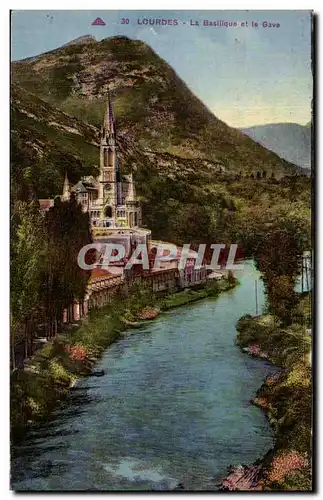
124 20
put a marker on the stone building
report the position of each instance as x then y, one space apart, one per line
110 199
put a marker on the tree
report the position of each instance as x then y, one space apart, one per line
27 253
21 164
282 297
67 231
279 259
193 223
45 276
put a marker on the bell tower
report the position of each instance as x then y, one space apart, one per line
107 179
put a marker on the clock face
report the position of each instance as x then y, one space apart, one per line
107 188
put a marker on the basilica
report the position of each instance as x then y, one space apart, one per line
110 199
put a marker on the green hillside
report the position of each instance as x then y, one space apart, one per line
198 179
153 105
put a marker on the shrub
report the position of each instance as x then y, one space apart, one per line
59 373
284 464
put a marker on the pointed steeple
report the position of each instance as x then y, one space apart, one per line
66 189
109 123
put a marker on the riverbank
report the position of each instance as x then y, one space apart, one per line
212 289
286 397
50 374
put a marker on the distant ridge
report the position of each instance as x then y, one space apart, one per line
81 39
290 141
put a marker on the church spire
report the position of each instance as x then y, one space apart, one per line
66 189
109 123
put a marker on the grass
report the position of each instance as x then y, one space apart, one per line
182 298
186 297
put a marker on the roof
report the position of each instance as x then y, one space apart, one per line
84 187
80 188
99 272
46 204
191 254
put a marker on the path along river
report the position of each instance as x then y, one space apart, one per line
172 408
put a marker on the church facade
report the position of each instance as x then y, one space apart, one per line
110 199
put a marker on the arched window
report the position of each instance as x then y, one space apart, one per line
131 224
110 158
108 212
105 157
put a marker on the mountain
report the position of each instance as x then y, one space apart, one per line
290 141
153 105
81 39
51 142
198 179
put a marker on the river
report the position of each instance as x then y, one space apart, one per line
172 408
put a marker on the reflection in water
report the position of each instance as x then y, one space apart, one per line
172 408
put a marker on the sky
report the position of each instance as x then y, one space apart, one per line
245 74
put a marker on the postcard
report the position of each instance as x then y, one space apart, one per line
161 251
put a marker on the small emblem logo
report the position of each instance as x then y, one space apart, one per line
98 22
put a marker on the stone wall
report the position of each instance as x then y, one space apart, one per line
101 291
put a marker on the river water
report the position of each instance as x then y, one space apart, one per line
172 408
